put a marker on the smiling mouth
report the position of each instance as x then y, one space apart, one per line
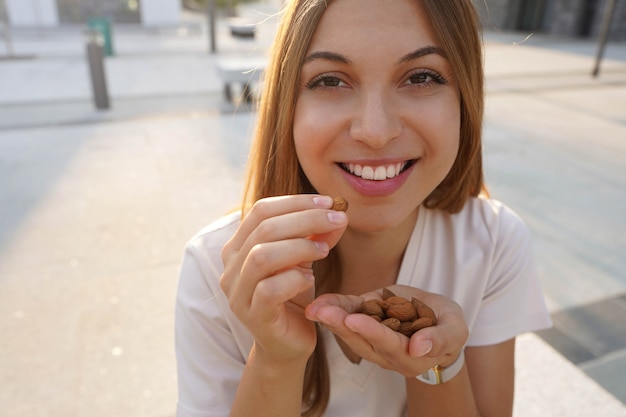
377 173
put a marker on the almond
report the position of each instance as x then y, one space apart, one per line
372 308
406 328
387 293
392 323
403 312
339 204
421 323
393 300
423 310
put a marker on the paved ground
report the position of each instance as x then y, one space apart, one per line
95 208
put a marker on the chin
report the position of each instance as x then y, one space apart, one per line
377 221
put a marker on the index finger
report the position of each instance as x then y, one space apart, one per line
272 207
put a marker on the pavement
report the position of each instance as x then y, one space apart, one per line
96 206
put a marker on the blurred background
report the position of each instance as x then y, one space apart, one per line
124 129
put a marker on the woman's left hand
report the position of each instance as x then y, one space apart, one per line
366 337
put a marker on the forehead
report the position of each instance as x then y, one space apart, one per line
379 24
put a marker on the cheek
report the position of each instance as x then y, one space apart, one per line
307 137
448 146
303 133
313 131
440 131
449 124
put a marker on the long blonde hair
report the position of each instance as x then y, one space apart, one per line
273 167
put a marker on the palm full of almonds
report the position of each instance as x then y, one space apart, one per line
400 314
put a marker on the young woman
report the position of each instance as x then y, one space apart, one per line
381 102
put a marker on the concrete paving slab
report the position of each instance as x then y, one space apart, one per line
565 175
68 79
82 112
89 255
592 337
547 385
609 371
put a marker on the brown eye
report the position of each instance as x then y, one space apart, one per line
419 78
425 78
330 82
325 81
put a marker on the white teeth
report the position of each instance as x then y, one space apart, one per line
378 173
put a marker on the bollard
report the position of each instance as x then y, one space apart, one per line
95 58
605 29
103 25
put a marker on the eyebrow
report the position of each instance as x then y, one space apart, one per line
418 53
335 57
328 56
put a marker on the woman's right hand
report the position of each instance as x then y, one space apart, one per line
268 275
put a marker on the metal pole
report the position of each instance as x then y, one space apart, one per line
6 30
95 57
211 24
605 29
7 39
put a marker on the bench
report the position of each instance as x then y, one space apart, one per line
243 70
240 27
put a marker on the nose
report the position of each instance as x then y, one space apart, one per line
375 121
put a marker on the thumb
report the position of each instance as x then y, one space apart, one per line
443 341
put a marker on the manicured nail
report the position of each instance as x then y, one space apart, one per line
337 217
323 201
424 347
322 246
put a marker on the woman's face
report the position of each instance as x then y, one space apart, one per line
377 117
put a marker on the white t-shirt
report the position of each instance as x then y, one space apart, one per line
480 257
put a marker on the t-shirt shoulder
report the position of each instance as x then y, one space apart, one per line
216 233
496 217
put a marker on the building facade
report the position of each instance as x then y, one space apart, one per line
51 13
570 18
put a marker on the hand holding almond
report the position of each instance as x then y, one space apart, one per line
267 270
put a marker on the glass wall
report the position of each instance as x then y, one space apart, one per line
79 11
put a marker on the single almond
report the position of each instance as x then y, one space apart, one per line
423 310
372 308
339 204
387 293
421 323
403 312
406 328
392 323
393 300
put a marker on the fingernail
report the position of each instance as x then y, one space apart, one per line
336 217
424 347
323 201
322 246
309 276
